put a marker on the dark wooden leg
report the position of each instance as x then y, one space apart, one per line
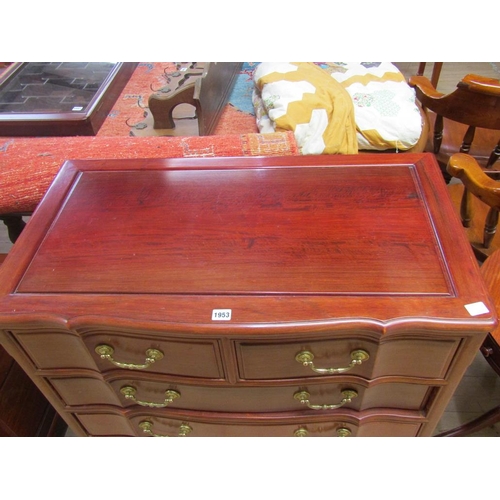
494 156
15 225
466 208
490 227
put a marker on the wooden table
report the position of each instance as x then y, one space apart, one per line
59 99
321 296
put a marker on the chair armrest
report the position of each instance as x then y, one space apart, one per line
466 168
482 84
423 86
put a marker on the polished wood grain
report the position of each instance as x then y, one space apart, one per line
327 254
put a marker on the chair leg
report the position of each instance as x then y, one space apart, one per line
15 225
494 156
490 227
489 418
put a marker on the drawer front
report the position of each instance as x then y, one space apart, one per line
411 358
134 392
153 425
160 427
56 350
82 391
199 359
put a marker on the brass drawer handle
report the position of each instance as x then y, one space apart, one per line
341 432
303 398
106 352
358 356
129 393
301 432
147 428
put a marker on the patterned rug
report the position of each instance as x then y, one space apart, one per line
28 165
127 118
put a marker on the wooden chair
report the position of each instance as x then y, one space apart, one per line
481 187
477 200
467 120
436 72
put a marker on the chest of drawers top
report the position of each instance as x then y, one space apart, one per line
247 245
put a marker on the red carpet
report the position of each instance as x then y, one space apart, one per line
28 165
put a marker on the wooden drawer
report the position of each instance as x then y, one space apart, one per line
410 358
158 427
82 391
55 350
134 392
67 350
212 425
188 358
388 427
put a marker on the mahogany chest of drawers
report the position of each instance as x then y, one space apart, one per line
293 296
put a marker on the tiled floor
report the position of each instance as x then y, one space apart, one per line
479 390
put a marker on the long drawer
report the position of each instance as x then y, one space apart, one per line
396 424
130 392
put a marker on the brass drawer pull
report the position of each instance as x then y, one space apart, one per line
147 428
129 393
358 356
303 398
341 432
301 432
106 352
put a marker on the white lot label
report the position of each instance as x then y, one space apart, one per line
221 314
476 308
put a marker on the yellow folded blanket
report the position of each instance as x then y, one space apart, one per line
305 99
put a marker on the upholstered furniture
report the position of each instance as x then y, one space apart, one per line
339 108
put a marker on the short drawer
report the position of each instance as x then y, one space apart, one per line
56 350
83 391
188 358
154 394
410 358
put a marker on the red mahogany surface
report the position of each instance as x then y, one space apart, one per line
324 238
